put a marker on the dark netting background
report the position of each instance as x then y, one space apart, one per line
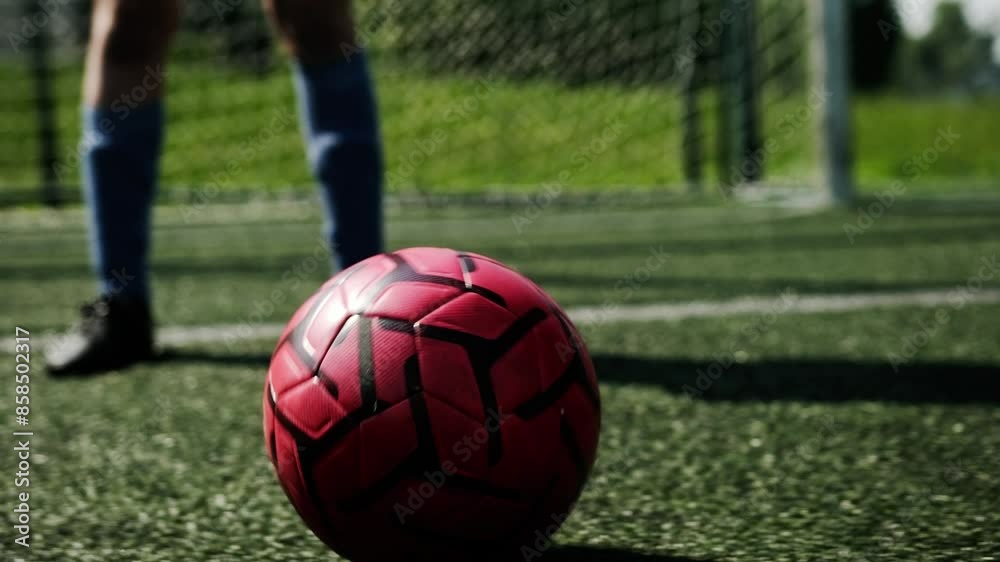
477 96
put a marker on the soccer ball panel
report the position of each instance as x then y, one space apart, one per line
297 317
293 483
341 365
581 429
446 374
469 314
433 261
519 294
436 373
392 353
357 284
337 472
310 408
315 330
411 301
557 351
287 369
528 447
387 440
459 443
515 374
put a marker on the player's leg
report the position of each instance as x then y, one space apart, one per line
338 115
123 123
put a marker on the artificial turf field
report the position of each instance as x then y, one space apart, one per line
809 447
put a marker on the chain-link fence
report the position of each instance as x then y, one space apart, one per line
475 95
480 96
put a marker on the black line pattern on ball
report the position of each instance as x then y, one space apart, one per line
404 272
483 354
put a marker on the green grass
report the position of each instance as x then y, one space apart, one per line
514 135
809 447
716 253
892 131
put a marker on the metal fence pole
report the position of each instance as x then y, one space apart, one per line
41 73
691 114
830 52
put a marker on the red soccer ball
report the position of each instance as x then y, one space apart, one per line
429 404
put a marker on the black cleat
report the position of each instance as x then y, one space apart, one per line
113 333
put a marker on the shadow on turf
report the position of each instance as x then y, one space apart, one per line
180 355
821 380
592 554
829 380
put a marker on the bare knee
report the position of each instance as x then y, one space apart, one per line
134 31
313 30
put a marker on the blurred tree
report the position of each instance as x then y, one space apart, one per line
875 38
952 54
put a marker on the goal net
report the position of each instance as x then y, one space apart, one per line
477 97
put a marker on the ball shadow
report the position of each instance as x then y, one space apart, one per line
814 379
596 554
182 355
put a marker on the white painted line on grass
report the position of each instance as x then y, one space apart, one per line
666 312
798 305
590 316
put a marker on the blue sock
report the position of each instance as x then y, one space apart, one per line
338 115
120 156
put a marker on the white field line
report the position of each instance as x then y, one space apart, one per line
589 316
798 305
